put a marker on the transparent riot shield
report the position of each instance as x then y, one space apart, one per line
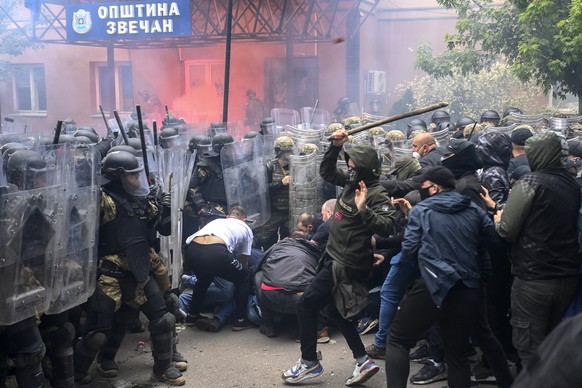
389 151
245 179
442 137
306 189
30 228
314 118
75 266
304 136
175 168
284 117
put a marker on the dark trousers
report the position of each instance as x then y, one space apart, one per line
208 261
490 346
316 297
456 316
537 306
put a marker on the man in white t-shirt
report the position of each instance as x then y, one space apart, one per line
221 248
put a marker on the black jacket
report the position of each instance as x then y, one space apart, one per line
539 218
351 231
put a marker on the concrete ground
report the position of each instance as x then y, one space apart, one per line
241 359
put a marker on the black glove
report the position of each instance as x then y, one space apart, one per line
166 200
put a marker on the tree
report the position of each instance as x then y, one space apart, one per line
541 41
13 41
470 94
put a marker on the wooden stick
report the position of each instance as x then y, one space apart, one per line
397 117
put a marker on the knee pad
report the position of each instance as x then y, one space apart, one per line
163 324
60 337
27 360
94 340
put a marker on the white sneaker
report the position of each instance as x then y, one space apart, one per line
300 372
363 372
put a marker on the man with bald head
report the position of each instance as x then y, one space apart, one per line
424 144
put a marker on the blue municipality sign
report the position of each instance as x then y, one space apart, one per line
132 20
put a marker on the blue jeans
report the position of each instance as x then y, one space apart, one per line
219 294
402 274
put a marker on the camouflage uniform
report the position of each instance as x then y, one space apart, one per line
126 260
266 235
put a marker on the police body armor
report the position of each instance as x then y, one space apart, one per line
126 234
211 189
245 179
280 197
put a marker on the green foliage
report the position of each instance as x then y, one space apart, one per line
470 94
12 40
541 41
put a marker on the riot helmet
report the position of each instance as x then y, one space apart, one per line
26 169
69 128
198 141
463 122
218 141
251 134
8 149
283 147
376 131
126 148
446 125
169 137
283 144
490 116
307 149
124 167
267 126
394 135
510 110
172 121
416 122
439 116
68 139
87 133
83 140
135 143
414 130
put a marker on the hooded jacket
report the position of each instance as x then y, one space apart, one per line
494 149
540 215
464 165
351 231
447 233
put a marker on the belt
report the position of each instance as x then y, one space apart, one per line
111 269
208 240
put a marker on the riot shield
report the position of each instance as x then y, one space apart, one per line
175 169
314 118
76 261
442 137
305 193
245 179
304 136
30 228
284 117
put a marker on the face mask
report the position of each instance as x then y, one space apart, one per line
424 193
353 178
416 155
